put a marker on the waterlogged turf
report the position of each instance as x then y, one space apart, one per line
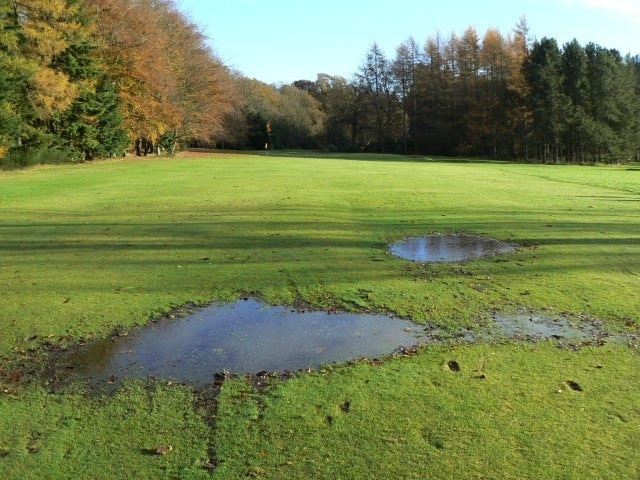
483 411
89 251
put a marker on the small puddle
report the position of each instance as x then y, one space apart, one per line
242 337
534 326
448 248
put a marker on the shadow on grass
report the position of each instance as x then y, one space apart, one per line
326 249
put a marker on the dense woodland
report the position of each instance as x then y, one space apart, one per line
83 79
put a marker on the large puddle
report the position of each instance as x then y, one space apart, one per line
448 248
250 337
242 337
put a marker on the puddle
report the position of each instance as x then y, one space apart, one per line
248 336
533 326
448 248
242 337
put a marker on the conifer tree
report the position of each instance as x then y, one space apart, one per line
574 72
548 102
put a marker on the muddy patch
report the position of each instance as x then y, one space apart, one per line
448 248
242 337
532 326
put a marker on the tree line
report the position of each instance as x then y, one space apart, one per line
498 96
82 79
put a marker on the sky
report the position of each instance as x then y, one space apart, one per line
280 41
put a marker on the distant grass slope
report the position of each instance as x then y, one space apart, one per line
88 248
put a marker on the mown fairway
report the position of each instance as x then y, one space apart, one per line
90 248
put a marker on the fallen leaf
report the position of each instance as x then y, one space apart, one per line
163 449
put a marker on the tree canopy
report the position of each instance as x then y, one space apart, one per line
88 78
81 79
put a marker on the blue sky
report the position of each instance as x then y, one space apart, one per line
286 40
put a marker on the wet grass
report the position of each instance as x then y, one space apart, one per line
90 248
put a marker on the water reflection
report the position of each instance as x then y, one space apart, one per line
249 337
242 337
448 248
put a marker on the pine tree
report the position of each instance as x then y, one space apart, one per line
546 97
575 86
404 70
612 105
381 118
92 125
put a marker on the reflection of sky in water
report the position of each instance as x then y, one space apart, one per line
448 248
249 337
242 337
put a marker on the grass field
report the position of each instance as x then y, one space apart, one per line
90 248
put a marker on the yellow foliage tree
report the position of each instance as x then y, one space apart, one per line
46 28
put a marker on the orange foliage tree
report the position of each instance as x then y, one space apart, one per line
168 79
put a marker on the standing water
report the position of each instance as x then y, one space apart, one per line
242 337
448 248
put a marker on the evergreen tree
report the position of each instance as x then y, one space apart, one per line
405 70
380 116
436 129
575 86
633 65
612 105
546 97
92 125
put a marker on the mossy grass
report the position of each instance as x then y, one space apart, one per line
94 247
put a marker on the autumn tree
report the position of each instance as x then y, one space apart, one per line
343 104
134 45
519 116
285 117
202 92
299 121
170 83
497 96
85 78
33 34
12 74
435 129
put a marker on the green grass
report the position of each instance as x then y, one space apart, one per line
92 247
508 413
72 436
